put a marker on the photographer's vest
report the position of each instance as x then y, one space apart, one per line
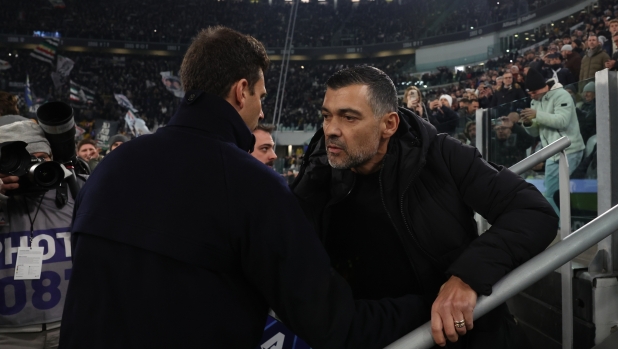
28 302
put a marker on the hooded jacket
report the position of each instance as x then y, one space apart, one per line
430 186
556 117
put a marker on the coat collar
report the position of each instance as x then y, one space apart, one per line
215 116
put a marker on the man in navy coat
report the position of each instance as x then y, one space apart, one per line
210 238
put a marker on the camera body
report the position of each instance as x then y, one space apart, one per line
35 175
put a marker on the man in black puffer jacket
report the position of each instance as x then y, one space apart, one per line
393 203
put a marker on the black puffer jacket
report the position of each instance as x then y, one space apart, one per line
431 184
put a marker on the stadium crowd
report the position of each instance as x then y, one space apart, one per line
483 85
318 23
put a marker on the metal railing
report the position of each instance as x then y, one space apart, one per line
541 155
527 274
541 265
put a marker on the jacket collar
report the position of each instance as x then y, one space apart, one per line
215 116
407 151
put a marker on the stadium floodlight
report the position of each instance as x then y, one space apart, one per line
507 51
471 27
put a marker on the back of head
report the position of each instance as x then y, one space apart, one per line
8 104
382 93
218 57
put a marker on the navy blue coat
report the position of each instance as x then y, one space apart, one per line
206 241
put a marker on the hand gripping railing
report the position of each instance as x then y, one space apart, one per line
527 274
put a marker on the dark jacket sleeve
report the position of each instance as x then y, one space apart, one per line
447 120
285 261
524 139
523 222
519 94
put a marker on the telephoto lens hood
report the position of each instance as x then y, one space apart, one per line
56 120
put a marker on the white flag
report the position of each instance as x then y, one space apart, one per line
64 66
124 101
4 65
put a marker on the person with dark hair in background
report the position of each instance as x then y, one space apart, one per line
486 92
466 115
199 260
578 47
558 72
264 148
593 60
510 142
88 152
8 104
509 92
393 202
611 64
32 308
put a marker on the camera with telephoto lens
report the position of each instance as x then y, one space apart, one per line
35 175
56 120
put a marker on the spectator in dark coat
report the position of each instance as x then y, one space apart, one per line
445 116
486 92
573 60
508 92
587 117
558 72
611 64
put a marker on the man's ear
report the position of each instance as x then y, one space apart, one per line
238 93
390 124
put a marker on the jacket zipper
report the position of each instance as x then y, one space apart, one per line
323 228
405 223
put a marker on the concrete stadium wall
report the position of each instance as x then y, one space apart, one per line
475 50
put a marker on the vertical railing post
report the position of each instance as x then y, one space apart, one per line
566 271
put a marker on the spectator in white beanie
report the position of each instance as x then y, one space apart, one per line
446 100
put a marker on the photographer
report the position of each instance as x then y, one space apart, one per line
440 111
30 317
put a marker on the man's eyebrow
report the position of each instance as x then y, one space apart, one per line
344 111
270 144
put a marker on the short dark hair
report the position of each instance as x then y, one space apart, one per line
8 104
265 127
218 57
382 91
86 141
